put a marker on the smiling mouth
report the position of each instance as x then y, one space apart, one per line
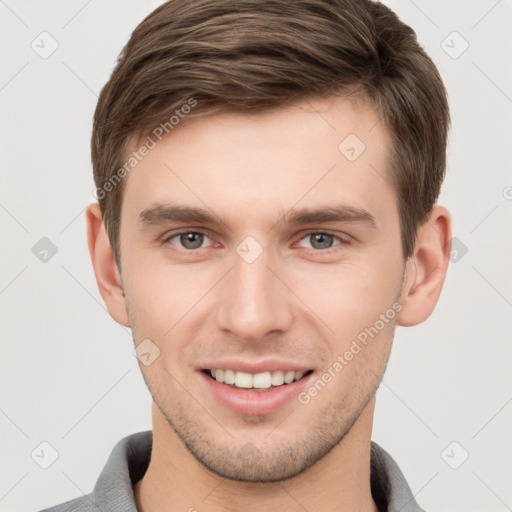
263 381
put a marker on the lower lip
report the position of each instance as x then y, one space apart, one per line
255 403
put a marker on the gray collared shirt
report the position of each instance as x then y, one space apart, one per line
130 459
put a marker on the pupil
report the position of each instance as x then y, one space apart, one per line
191 240
321 240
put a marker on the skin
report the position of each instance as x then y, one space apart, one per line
296 301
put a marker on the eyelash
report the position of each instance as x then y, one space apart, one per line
341 240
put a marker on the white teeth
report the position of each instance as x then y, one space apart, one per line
229 377
263 380
277 378
289 376
243 380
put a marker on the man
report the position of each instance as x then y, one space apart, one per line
267 176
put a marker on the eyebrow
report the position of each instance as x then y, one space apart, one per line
342 213
160 213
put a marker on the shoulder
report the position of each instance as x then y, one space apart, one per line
81 504
125 466
390 489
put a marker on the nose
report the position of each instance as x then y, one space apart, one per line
254 302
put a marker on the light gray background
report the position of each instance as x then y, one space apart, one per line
69 376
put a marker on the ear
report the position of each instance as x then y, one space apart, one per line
105 266
426 269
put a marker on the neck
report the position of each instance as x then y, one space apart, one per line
176 481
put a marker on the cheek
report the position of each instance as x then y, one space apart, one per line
160 295
350 297
163 307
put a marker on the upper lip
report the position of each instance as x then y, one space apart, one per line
255 366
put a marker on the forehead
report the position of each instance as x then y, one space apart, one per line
324 150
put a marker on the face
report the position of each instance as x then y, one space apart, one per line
260 248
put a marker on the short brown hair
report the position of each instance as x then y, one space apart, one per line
253 56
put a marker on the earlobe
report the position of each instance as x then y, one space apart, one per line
105 267
426 269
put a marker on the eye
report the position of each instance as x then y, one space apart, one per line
189 240
321 241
